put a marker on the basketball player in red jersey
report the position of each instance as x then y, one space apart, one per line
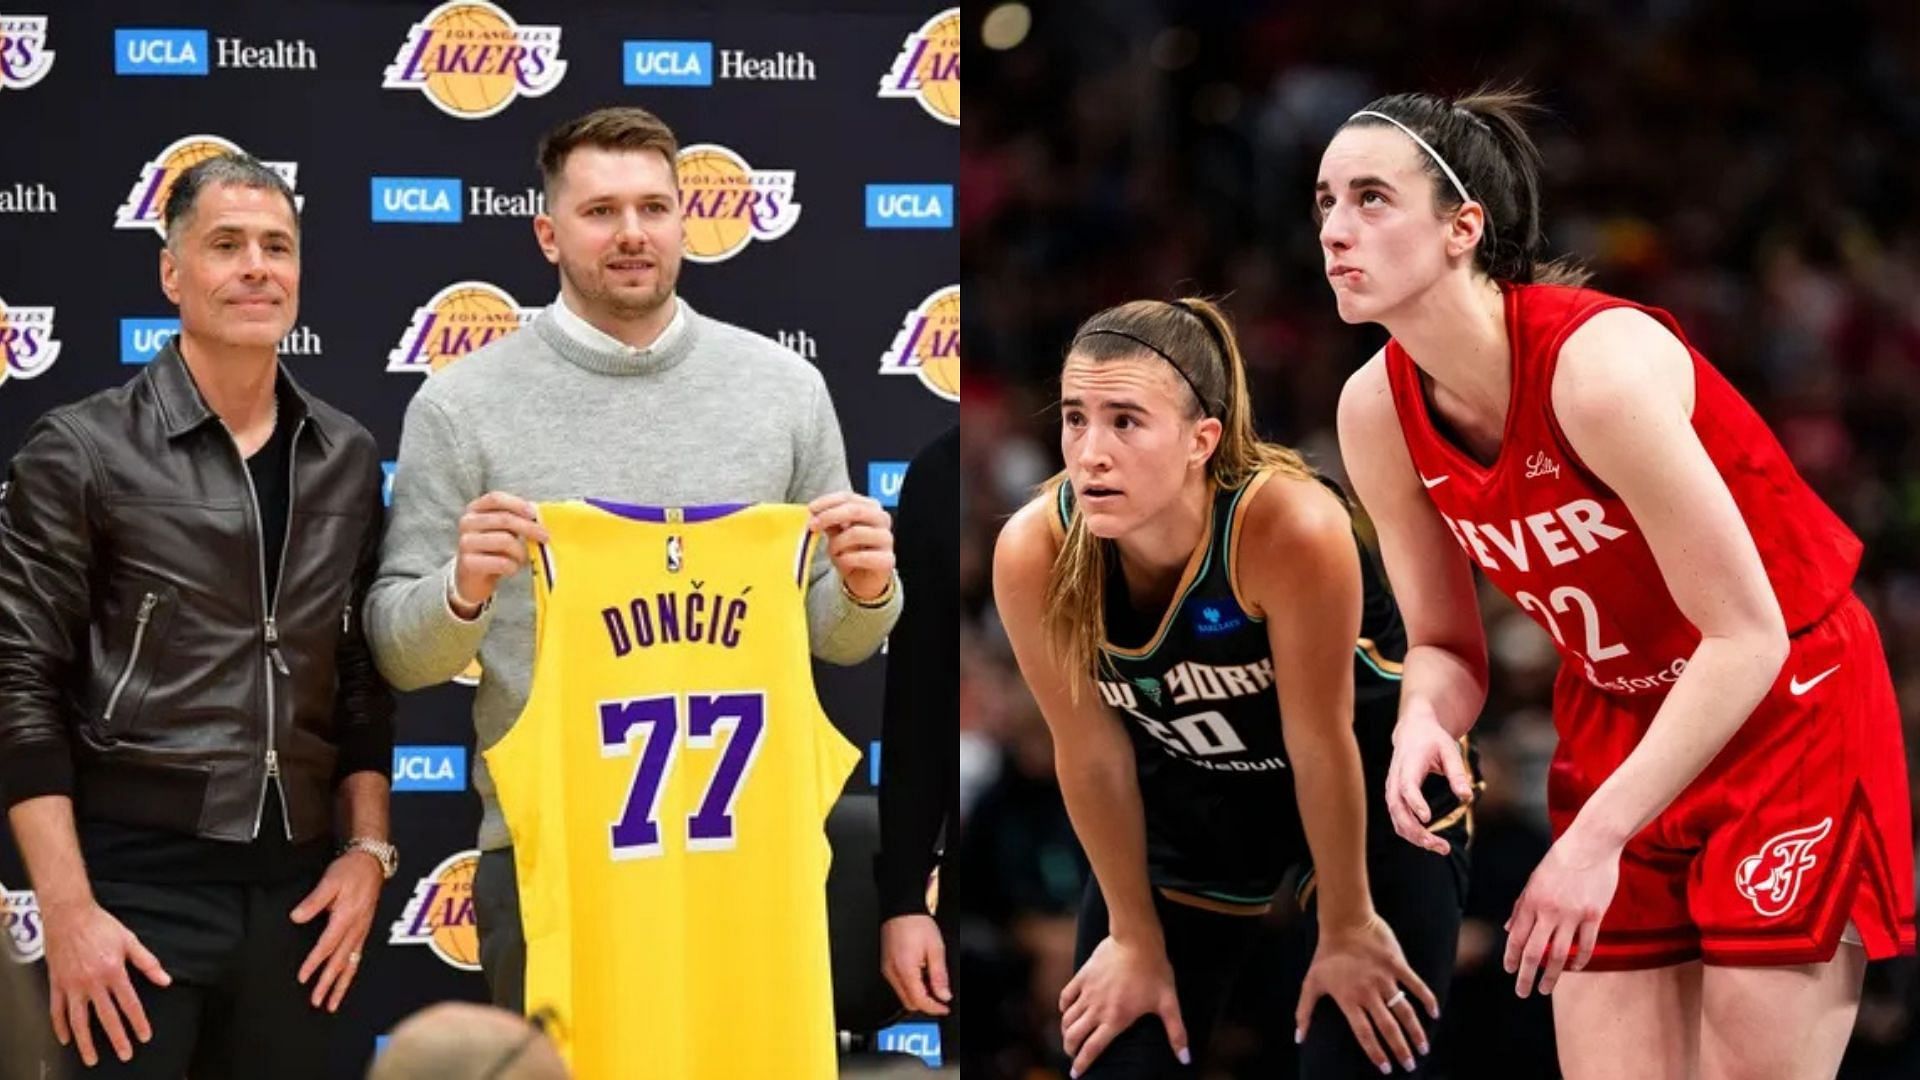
1729 797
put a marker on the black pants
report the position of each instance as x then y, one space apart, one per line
503 943
234 1008
1419 894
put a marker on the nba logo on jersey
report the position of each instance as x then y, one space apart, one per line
673 555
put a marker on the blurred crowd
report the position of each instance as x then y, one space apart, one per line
1752 167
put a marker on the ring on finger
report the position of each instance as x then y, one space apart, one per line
1397 999
354 958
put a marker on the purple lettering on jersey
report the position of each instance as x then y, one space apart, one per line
669 617
744 715
637 835
642 623
696 605
617 631
730 632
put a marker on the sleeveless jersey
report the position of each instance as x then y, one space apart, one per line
1559 542
667 789
1196 689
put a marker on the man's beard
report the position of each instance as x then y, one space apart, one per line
622 304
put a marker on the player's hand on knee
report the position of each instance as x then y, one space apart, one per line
1556 921
914 959
88 952
1421 746
1118 985
494 532
1364 971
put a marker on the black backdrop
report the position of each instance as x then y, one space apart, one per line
819 104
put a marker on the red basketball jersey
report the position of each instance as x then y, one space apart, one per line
1558 541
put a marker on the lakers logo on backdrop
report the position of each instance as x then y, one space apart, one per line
24 56
928 68
472 60
440 914
928 344
147 199
27 344
729 203
459 319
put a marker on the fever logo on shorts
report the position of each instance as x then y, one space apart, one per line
928 68
928 344
24 934
459 319
147 199
27 344
471 59
1771 880
729 203
440 914
24 56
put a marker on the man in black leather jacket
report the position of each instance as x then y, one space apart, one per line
186 696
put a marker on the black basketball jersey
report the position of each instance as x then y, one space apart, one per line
1197 691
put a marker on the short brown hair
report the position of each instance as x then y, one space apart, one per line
620 127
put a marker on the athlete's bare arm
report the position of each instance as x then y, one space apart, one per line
1094 761
1444 680
1623 394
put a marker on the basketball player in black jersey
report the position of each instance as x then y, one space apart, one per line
1217 659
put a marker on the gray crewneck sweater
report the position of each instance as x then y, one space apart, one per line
717 415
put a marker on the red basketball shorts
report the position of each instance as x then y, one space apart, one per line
1801 825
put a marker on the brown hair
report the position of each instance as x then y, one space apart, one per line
1483 136
1197 339
620 127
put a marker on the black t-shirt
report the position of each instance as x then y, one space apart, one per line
116 852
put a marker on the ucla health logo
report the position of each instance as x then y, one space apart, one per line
472 60
429 768
921 1039
928 344
1218 617
433 200
909 206
927 68
160 52
729 204
667 63
25 935
24 56
27 344
883 481
147 199
459 319
142 339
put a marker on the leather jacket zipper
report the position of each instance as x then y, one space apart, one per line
147 603
271 631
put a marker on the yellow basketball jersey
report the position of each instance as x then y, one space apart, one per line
667 790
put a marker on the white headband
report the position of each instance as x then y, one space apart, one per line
1431 152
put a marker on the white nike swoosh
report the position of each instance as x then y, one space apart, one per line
1798 687
1436 481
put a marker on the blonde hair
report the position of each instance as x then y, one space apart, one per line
1197 339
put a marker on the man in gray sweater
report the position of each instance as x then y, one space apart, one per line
619 390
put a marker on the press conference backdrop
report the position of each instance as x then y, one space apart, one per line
818 169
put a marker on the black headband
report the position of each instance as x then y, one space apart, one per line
1205 407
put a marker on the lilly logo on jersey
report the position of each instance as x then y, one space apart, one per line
24 56
440 913
909 206
1770 880
417 200
472 60
1539 464
147 198
883 481
1219 617
457 320
927 68
429 768
728 203
27 344
919 1038
928 344
25 935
